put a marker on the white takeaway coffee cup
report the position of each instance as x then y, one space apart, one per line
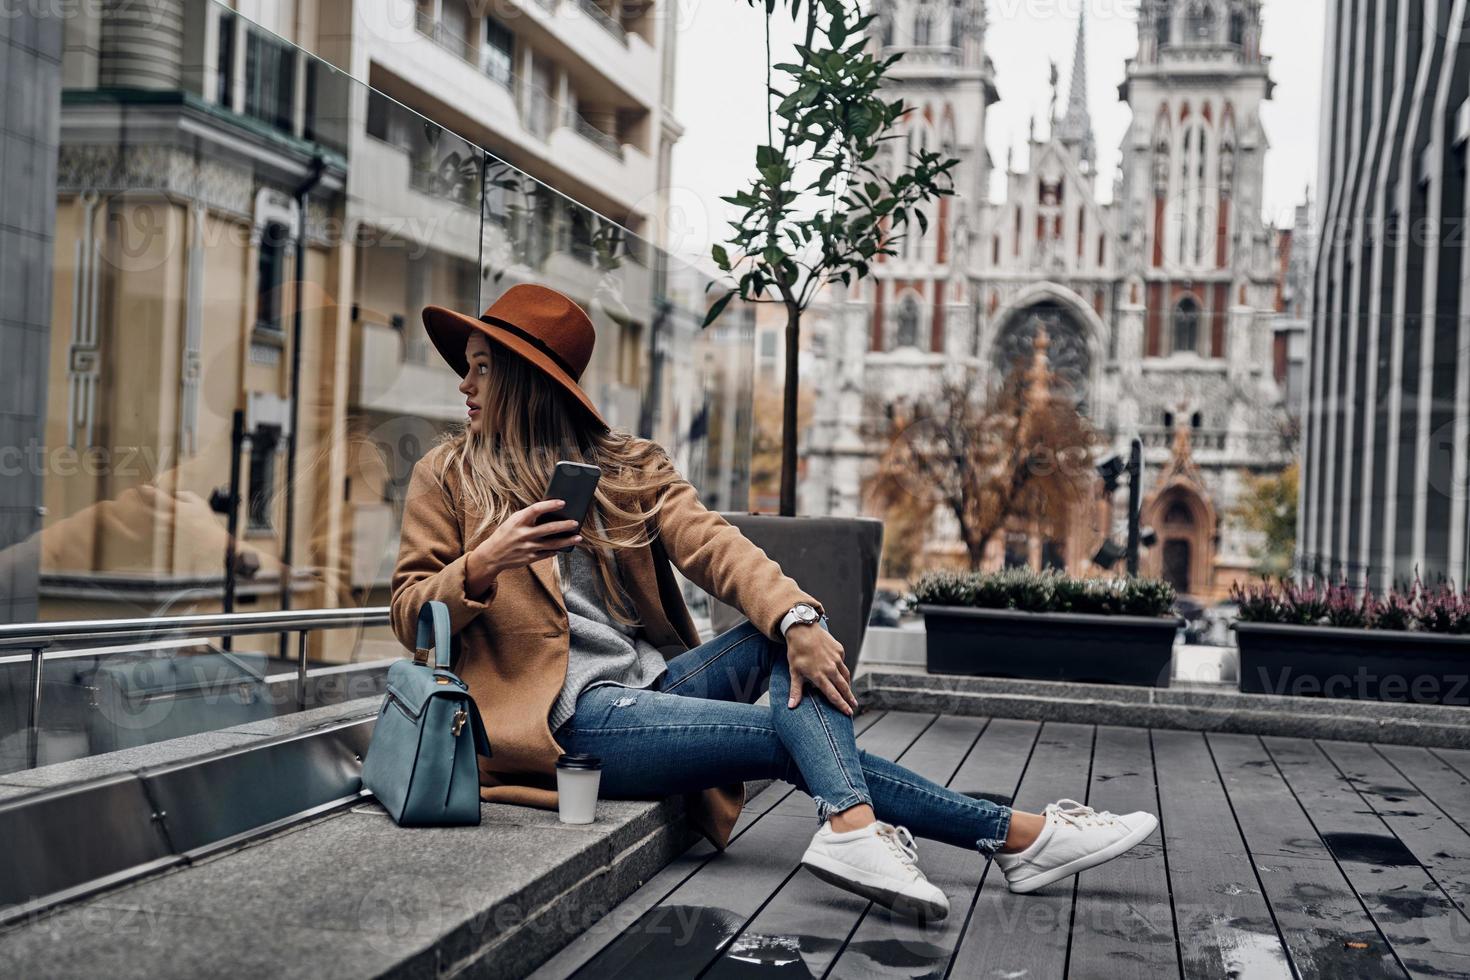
577 777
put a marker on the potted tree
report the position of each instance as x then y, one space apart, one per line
824 206
1320 640
1048 626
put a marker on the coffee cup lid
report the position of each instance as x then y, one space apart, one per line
578 760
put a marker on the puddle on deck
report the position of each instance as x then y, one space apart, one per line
1382 850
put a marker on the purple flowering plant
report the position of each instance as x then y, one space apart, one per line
1414 607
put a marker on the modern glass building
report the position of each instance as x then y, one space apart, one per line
1383 494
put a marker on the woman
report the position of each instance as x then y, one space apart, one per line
565 651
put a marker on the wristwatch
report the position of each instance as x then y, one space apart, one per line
802 612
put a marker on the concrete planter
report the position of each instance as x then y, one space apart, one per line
1134 650
834 558
1367 665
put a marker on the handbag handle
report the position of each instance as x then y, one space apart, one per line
433 628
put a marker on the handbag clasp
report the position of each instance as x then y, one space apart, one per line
460 717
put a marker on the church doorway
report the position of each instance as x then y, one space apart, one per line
1176 564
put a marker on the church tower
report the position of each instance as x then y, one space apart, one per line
917 310
1193 170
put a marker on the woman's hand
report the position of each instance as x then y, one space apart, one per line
815 658
518 542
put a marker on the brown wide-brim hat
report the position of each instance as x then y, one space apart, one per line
534 322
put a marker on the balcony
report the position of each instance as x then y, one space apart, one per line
603 19
605 141
526 116
396 386
407 201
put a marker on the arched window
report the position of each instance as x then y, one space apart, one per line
887 30
1186 325
922 22
1201 23
908 324
1165 27
1237 28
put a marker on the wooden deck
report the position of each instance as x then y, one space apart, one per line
1276 857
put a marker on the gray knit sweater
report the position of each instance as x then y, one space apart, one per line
603 651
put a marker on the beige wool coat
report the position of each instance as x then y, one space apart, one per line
514 640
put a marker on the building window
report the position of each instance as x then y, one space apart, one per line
922 22
908 324
1237 28
262 476
1165 27
224 88
498 51
1053 555
1186 325
1018 550
270 275
1201 22
270 80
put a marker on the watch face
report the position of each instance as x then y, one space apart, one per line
805 612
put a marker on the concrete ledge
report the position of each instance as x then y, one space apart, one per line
1190 710
348 893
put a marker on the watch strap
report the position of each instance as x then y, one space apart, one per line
791 619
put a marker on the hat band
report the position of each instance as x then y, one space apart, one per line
535 342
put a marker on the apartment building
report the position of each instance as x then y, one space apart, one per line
1387 418
245 232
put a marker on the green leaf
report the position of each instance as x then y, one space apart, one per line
721 258
717 308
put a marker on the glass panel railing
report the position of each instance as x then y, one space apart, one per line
225 382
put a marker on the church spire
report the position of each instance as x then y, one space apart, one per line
1076 127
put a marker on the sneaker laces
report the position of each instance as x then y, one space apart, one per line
902 843
1080 815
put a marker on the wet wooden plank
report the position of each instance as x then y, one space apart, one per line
1027 935
1446 786
1224 923
690 926
1328 932
1440 844
885 944
807 922
1427 932
656 889
1123 924
1459 759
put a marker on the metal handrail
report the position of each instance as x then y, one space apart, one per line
38 638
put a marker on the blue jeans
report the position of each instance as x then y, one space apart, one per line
698 728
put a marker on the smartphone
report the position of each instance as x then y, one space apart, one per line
574 483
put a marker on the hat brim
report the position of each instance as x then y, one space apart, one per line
449 329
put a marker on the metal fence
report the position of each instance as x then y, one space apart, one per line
45 642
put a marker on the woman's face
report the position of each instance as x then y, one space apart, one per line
476 384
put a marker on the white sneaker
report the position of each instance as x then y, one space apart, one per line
1075 838
879 862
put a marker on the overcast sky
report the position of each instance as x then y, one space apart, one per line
720 94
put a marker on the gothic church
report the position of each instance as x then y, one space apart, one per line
1158 305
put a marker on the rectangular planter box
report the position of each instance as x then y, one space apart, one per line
1365 665
1049 646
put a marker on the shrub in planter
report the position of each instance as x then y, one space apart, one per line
1331 640
1047 626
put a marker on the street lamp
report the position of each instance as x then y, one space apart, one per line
1111 471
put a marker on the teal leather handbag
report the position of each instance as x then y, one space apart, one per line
421 763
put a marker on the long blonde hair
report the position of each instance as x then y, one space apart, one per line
531 423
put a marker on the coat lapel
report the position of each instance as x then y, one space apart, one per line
544 572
